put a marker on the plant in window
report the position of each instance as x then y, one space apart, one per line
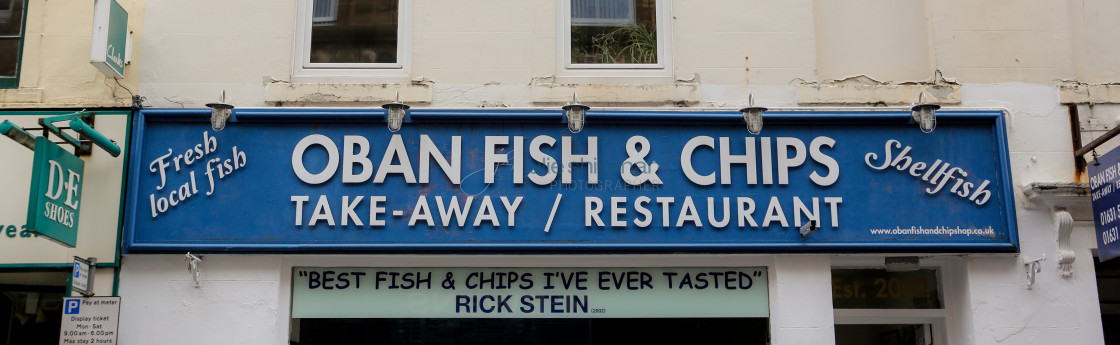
627 44
613 32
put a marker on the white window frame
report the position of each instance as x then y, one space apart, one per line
664 47
305 71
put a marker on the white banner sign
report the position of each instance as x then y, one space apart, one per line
347 292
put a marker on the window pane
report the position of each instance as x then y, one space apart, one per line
881 289
11 17
354 31
9 54
614 31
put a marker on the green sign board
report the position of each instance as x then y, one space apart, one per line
108 52
350 292
56 193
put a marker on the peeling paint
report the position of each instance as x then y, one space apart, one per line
867 91
675 94
543 80
265 80
314 93
1082 93
694 80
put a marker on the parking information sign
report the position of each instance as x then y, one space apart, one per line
81 280
90 320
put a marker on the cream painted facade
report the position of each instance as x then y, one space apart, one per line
55 71
57 78
1033 60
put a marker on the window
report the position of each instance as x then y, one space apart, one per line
11 41
614 34
352 38
875 306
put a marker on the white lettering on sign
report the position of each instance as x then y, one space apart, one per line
719 213
1110 235
771 158
62 181
937 174
761 158
160 203
356 153
114 56
1105 181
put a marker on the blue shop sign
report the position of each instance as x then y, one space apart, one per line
1104 174
503 181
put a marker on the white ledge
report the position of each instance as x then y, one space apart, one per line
1072 196
1090 94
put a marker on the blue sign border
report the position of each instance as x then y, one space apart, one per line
995 119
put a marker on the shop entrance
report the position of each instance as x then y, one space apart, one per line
1108 291
31 306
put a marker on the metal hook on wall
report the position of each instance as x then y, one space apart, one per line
192 267
1033 267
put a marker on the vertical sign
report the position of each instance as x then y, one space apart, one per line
81 280
56 193
1103 176
90 320
110 38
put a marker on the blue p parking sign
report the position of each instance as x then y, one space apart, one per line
72 306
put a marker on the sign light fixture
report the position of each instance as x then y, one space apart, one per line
575 113
752 115
395 112
925 114
220 113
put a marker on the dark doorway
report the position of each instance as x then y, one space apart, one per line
532 331
31 306
1108 290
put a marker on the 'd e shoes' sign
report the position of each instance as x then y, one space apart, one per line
56 193
309 180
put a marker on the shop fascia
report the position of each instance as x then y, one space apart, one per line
472 173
